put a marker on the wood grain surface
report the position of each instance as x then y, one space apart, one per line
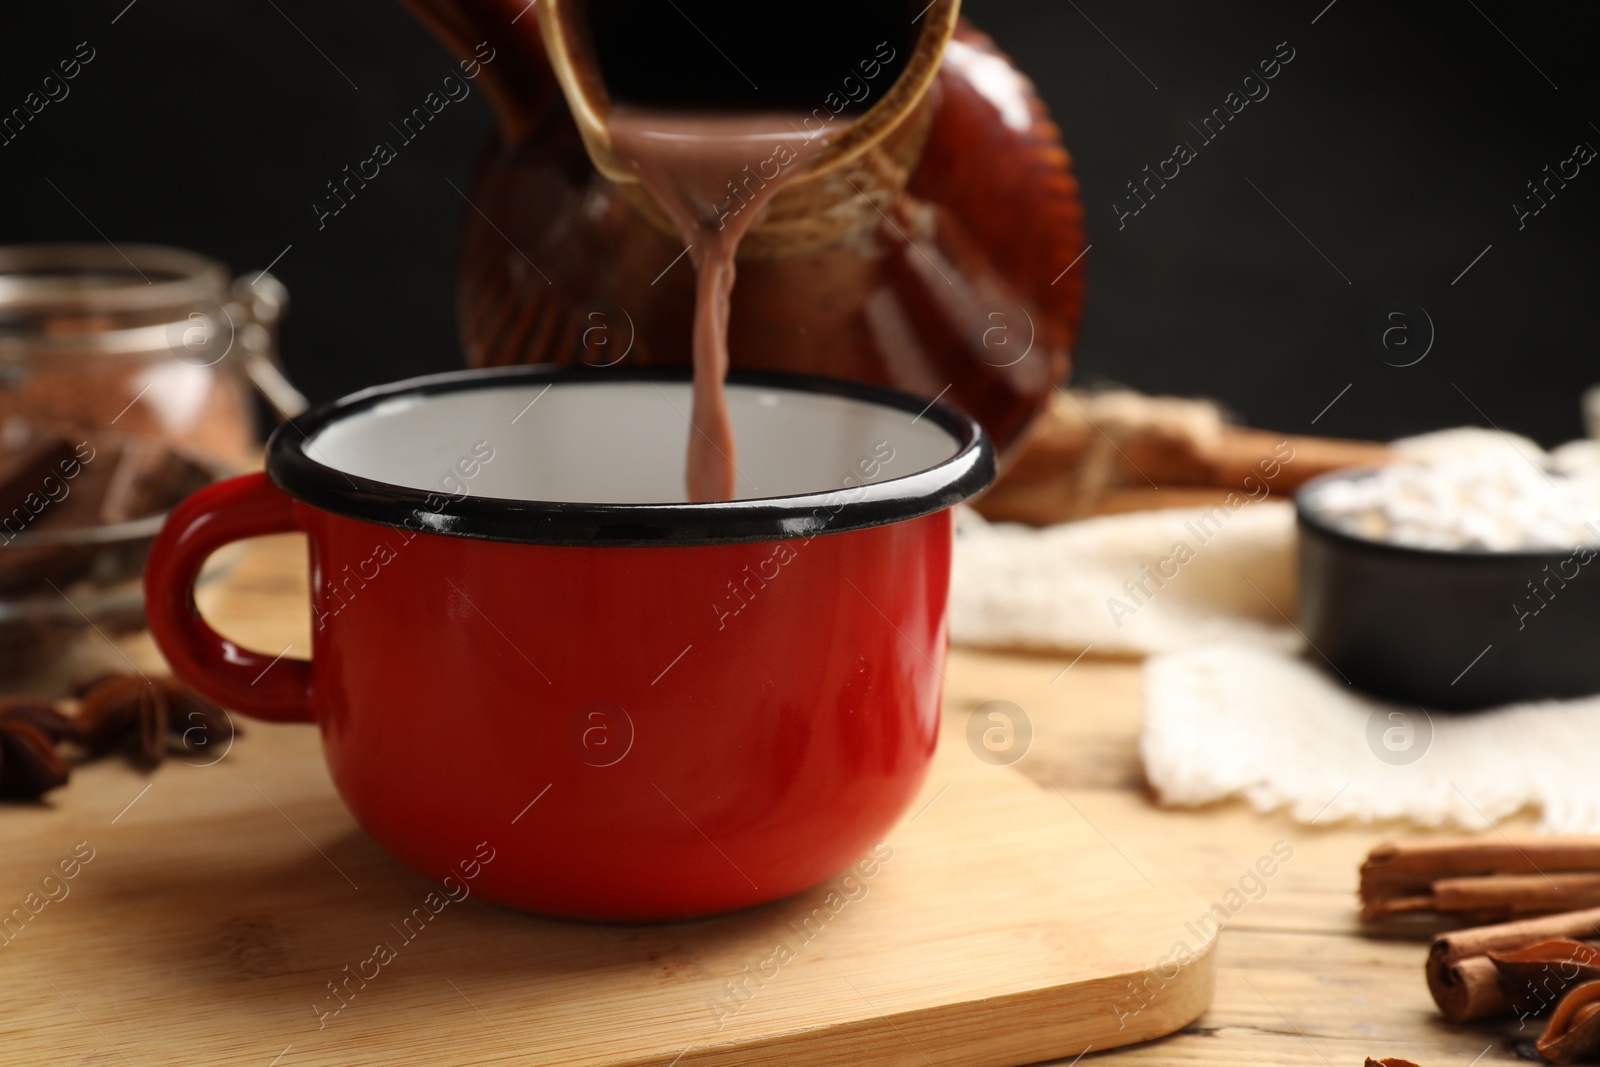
228 911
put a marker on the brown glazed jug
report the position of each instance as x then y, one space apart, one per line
927 249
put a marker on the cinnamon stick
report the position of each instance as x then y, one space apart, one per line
1398 876
1467 988
1518 894
1495 897
1463 979
1088 448
1438 857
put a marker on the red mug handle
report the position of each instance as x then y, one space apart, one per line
277 690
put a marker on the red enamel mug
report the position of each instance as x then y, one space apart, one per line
523 635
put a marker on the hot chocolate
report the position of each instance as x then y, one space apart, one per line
712 173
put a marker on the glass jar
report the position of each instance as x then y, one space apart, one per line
147 356
143 340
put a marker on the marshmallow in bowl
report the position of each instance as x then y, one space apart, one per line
1471 490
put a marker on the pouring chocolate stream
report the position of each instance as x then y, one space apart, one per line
712 173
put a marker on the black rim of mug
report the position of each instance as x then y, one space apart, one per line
297 472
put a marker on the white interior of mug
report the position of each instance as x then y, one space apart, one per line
622 442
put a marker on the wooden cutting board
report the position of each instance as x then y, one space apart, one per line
213 909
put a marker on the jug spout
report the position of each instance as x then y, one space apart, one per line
516 79
856 73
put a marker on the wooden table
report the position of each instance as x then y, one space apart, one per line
1297 982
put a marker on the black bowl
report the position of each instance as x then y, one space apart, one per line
1448 629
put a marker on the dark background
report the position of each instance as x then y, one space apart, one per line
1396 142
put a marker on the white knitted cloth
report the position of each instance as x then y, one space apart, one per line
1065 588
1229 720
1229 708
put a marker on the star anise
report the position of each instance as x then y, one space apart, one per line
1573 1032
146 717
1536 976
29 730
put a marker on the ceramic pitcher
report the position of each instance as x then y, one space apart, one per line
928 248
